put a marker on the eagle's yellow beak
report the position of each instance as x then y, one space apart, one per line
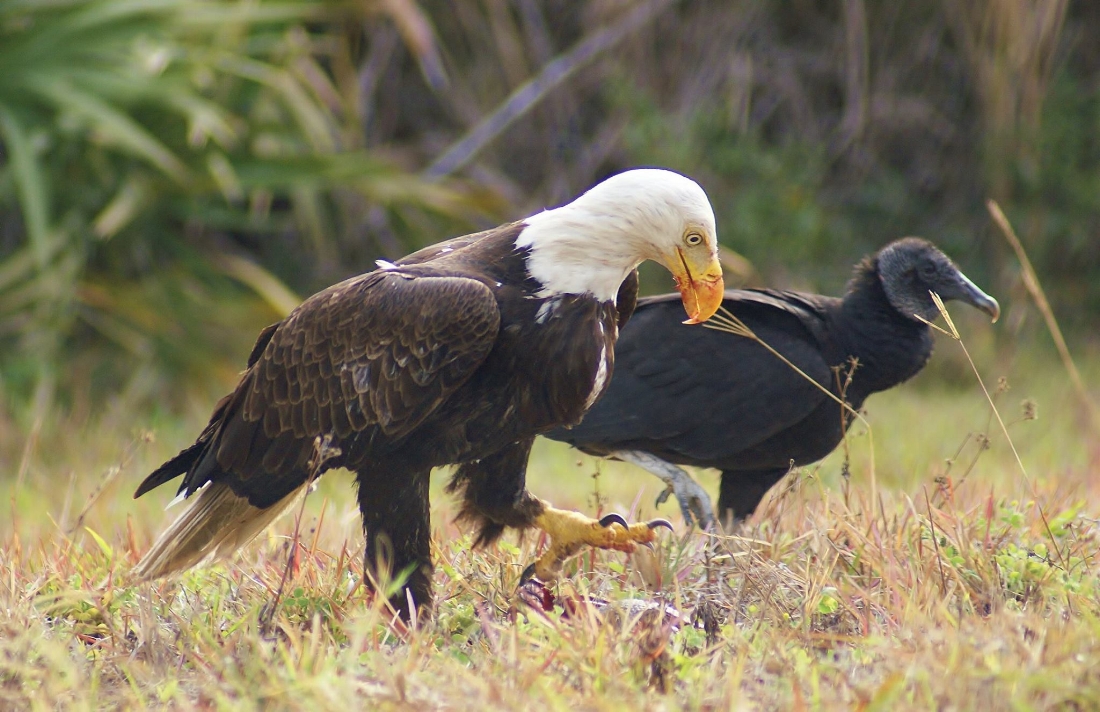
698 277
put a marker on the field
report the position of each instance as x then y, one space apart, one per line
940 576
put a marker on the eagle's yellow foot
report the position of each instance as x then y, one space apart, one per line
571 531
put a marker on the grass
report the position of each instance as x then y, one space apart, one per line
946 592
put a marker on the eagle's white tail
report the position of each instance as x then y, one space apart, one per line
216 524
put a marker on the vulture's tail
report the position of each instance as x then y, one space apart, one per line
217 523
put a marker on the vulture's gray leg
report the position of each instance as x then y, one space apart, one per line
693 499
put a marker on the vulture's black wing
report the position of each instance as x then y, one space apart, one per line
690 391
366 360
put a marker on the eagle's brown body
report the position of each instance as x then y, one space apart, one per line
460 354
447 357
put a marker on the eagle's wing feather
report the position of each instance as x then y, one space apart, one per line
370 358
364 361
382 354
627 299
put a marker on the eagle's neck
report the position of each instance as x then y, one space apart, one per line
572 250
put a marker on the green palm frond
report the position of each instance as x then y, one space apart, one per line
143 140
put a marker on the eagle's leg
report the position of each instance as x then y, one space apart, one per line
740 493
495 496
690 495
494 492
397 526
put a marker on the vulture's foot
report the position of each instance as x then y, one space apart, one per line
693 499
572 531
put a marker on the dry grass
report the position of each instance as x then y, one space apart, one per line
946 591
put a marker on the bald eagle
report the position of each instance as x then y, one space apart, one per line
459 354
762 415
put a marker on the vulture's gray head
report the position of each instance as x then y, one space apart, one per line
910 268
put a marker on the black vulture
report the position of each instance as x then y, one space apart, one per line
761 415
460 354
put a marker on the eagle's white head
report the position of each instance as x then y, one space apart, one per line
590 245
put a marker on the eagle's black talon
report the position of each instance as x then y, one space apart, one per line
653 524
527 575
613 518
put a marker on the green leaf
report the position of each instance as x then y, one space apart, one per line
101 543
30 182
114 126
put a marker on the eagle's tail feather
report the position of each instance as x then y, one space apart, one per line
216 525
189 457
172 469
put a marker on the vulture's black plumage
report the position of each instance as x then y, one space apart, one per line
762 415
459 354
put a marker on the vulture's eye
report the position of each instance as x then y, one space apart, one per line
693 238
928 271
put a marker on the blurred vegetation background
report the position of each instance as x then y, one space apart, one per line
175 174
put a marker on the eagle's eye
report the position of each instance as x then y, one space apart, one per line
692 239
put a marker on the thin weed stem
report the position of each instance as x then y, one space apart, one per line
935 542
323 450
1035 289
954 333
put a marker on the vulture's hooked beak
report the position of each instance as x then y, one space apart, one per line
698 276
967 291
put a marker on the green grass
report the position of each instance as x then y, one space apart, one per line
936 594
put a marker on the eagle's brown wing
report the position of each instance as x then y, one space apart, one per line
370 358
627 298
